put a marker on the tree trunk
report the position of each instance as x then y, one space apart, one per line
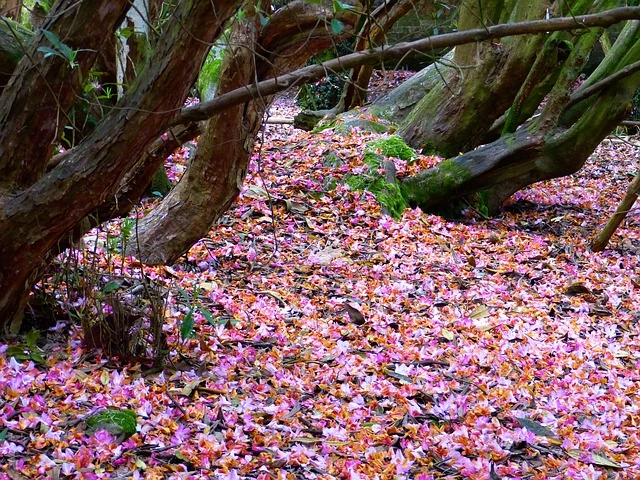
39 99
33 219
554 145
602 239
12 9
10 49
373 34
480 84
215 175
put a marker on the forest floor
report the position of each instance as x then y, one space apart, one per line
312 337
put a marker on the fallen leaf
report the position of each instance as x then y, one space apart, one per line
480 312
577 289
592 458
447 334
535 427
355 315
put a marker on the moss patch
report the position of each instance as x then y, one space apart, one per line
433 190
392 146
363 124
116 422
373 179
387 194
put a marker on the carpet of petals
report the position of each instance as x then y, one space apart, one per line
470 331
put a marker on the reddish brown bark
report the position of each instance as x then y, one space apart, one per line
216 173
44 86
12 9
32 220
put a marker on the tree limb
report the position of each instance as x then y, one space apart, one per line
582 94
314 73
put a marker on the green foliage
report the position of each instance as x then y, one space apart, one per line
322 95
118 243
480 203
115 421
194 306
59 49
28 350
160 184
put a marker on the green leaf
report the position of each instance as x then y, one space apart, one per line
53 38
535 427
336 26
111 287
186 328
32 338
341 7
185 295
592 458
207 315
3 435
49 51
115 421
17 352
37 357
125 32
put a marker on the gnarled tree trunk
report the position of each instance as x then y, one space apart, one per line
555 144
480 83
215 175
36 207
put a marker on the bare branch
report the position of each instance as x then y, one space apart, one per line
314 73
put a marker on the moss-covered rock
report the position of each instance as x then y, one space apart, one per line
387 194
392 146
378 179
115 421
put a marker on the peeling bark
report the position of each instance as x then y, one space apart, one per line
216 173
32 220
43 88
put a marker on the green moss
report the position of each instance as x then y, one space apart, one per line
115 421
392 146
345 128
323 125
436 186
387 194
210 74
372 159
